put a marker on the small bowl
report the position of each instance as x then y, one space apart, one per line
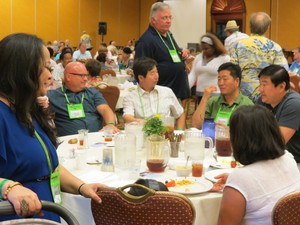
183 171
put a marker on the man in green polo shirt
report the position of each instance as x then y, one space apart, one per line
221 107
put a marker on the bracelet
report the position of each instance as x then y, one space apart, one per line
112 123
179 129
2 183
79 192
9 188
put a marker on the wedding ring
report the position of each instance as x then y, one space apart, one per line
24 206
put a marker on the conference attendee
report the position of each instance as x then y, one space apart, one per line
86 38
125 61
269 172
221 107
150 99
205 66
29 167
82 54
78 107
233 34
52 62
103 47
58 71
283 103
159 44
255 53
294 69
113 48
93 66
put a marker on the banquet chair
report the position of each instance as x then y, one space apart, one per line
287 211
6 209
118 207
107 72
295 80
111 95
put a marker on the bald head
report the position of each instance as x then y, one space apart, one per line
259 23
75 67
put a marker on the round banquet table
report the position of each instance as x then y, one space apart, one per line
206 204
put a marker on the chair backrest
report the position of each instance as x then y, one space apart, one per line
287 210
6 209
110 93
155 207
295 80
107 72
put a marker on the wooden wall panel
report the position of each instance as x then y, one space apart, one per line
5 18
46 19
89 11
130 16
144 14
23 16
109 12
68 21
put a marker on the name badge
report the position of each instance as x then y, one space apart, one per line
76 111
175 56
55 186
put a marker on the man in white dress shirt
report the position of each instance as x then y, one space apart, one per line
233 34
149 99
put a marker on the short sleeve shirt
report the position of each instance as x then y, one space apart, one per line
218 102
66 126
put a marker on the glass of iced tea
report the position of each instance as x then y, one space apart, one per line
197 168
223 145
157 154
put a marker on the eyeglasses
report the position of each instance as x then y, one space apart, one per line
81 75
165 18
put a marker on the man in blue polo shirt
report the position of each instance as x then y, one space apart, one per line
77 107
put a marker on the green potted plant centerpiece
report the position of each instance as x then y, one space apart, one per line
157 153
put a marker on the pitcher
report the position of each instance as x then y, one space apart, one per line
157 154
194 144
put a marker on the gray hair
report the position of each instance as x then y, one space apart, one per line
156 7
259 23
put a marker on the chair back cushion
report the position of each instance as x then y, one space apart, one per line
156 207
287 210
111 95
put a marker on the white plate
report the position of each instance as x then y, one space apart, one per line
210 175
200 185
220 165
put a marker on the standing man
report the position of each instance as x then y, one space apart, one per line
255 53
233 34
150 99
158 43
283 103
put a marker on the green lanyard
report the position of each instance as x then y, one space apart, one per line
165 42
82 97
45 150
223 117
142 105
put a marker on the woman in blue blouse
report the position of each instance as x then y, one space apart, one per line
29 168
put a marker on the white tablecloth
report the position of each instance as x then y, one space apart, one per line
206 204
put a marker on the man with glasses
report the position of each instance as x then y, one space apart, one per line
159 44
78 107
